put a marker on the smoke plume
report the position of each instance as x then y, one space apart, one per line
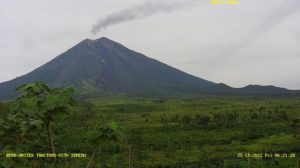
140 11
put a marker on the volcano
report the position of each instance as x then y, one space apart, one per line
104 66
101 67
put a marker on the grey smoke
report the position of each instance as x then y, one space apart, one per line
140 11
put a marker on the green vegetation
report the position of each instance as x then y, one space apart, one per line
158 133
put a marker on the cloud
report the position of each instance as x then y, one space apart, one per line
140 11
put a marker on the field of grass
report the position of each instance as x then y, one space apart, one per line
207 132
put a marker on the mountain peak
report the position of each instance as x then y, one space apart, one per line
103 41
99 39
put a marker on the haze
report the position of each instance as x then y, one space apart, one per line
255 42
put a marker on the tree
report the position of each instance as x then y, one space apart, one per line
38 103
107 133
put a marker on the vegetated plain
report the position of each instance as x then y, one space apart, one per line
170 133
121 131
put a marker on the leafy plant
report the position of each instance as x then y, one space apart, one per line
107 133
38 104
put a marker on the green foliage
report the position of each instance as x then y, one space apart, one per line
107 133
32 113
37 100
206 132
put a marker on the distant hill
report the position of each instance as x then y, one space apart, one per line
250 90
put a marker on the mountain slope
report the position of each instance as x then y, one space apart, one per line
103 65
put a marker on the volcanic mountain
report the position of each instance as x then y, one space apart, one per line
102 65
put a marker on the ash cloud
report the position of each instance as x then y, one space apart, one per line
140 11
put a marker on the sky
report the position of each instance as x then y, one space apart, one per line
254 42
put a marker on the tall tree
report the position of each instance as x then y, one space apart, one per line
40 103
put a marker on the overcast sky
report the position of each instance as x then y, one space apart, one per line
255 42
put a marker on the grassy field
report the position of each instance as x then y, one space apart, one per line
169 133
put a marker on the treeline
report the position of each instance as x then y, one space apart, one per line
223 119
